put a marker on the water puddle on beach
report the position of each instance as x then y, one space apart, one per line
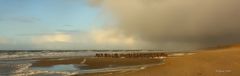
71 69
68 67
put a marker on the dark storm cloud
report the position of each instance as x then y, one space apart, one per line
178 24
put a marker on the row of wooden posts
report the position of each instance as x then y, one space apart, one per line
131 55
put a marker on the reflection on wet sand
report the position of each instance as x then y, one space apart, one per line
14 68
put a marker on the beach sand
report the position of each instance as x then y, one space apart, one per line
214 62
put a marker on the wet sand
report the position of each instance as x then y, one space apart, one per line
94 62
214 62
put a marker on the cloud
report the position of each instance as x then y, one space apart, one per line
95 38
53 38
3 40
110 36
69 31
178 24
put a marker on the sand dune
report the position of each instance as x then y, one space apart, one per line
217 62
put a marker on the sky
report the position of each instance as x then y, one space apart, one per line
23 20
54 25
118 24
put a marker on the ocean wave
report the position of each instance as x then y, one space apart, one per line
28 55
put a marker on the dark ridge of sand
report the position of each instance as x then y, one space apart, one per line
95 62
218 62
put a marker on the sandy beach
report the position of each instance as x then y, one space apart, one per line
214 62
